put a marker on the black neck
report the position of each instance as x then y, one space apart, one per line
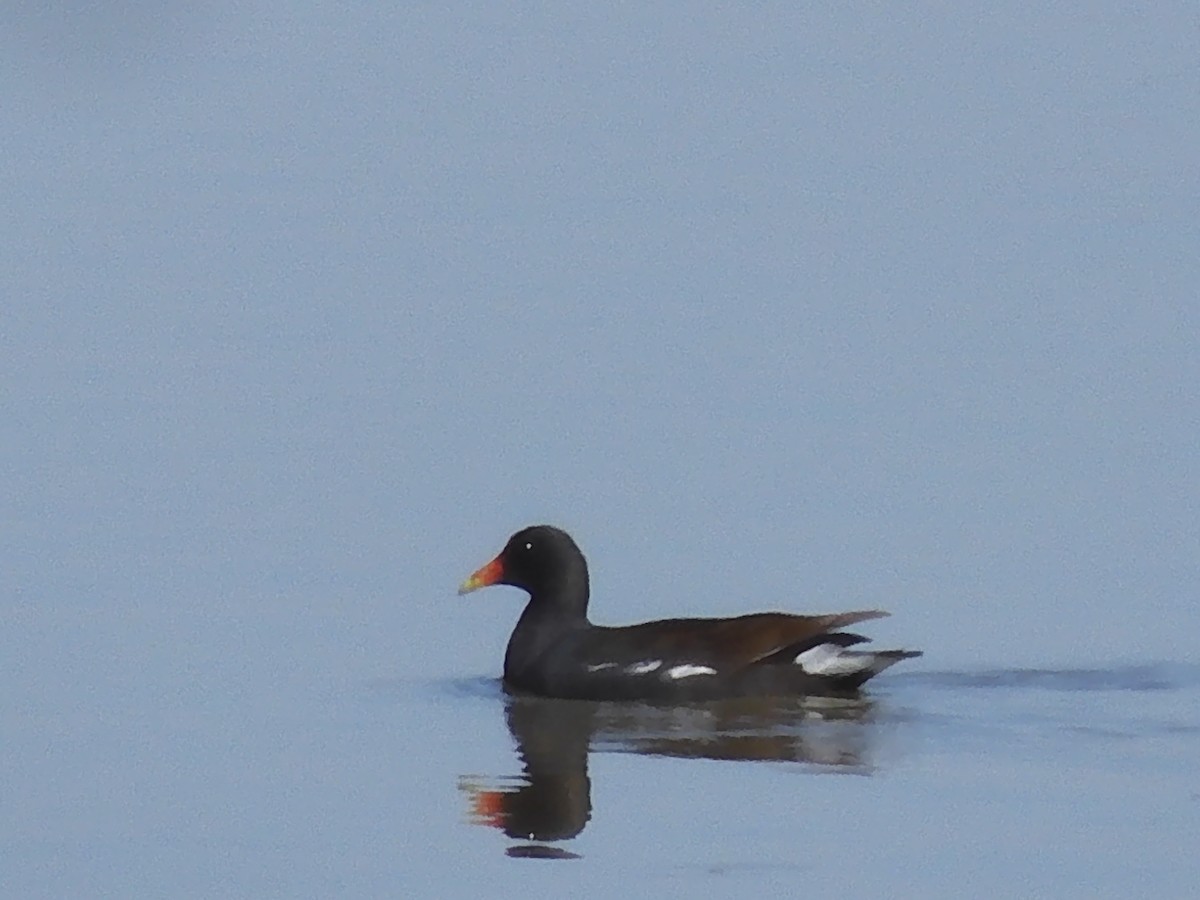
562 594
555 608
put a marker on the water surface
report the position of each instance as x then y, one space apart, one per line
1011 782
256 773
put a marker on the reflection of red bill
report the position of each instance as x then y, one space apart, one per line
487 807
489 574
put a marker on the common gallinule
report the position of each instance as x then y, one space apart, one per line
556 652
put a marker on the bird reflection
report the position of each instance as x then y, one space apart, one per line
551 800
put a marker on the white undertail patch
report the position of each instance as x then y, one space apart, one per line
597 667
686 671
830 659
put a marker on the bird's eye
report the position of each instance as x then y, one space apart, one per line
528 546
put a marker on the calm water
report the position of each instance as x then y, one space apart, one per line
306 307
1000 783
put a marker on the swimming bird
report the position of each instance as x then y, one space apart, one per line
555 651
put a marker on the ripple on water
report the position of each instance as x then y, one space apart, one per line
1144 677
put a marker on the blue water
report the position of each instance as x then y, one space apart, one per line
305 307
1027 782
1043 782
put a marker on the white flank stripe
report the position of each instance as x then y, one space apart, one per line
598 666
687 671
643 668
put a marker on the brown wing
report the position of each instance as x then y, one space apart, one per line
743 641
734 644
